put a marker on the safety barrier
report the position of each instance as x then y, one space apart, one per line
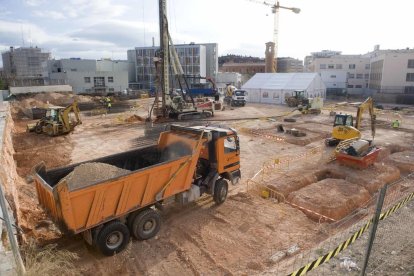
357 234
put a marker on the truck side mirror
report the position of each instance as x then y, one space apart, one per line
237 145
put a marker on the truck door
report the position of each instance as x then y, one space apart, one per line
228 153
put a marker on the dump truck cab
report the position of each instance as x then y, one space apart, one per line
221 152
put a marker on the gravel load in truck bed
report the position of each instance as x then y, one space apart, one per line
89 173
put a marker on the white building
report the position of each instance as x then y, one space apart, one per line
275 87
340 73
89 76
392 71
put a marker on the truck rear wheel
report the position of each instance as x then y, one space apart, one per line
145 225
220 191
113 238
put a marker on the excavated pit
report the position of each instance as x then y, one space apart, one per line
333 198
292 181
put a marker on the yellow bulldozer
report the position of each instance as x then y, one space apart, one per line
58 120
344 127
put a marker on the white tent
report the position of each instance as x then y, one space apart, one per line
275 87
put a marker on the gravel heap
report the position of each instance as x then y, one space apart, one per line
89 173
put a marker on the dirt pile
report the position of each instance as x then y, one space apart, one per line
403 160
89 173
334 198
134 118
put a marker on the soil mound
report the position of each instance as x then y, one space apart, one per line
334 198
134 118
403 160
89 173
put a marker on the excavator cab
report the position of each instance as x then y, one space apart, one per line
343 120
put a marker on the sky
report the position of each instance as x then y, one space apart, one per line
108 28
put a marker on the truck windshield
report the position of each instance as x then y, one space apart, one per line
240 93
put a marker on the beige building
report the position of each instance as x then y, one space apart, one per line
243 68
392 71
289 65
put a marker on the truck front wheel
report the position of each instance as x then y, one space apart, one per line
145 224
113 238
220 191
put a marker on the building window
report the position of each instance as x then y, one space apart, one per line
351 76
330 66
351 66
110 79
359 76
99 81
339 66
333 76
111 89
409 90
366 76
265 95
322 66
367 66
410 77
350 86
411 63
87 79
73 69
358 86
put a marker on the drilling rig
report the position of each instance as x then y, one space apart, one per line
175 102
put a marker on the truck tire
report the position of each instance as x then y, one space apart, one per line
146 224
220 191
113 238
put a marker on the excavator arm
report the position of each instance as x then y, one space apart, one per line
367 104
65 116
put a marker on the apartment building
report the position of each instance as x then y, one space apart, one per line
289 65
392 71
340 73
23 66
196 60
88 75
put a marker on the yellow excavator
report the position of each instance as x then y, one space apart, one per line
58 120
344 127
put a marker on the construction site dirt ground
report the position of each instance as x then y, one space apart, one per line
237 237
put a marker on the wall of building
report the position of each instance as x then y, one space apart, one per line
243 68
39 89
24 62
211 59
389 72
355 67
192 59
289 65
83 75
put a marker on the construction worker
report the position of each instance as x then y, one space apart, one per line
395 124
109 105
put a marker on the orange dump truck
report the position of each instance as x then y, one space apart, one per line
186 163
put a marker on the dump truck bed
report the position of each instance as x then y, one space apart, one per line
156 172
